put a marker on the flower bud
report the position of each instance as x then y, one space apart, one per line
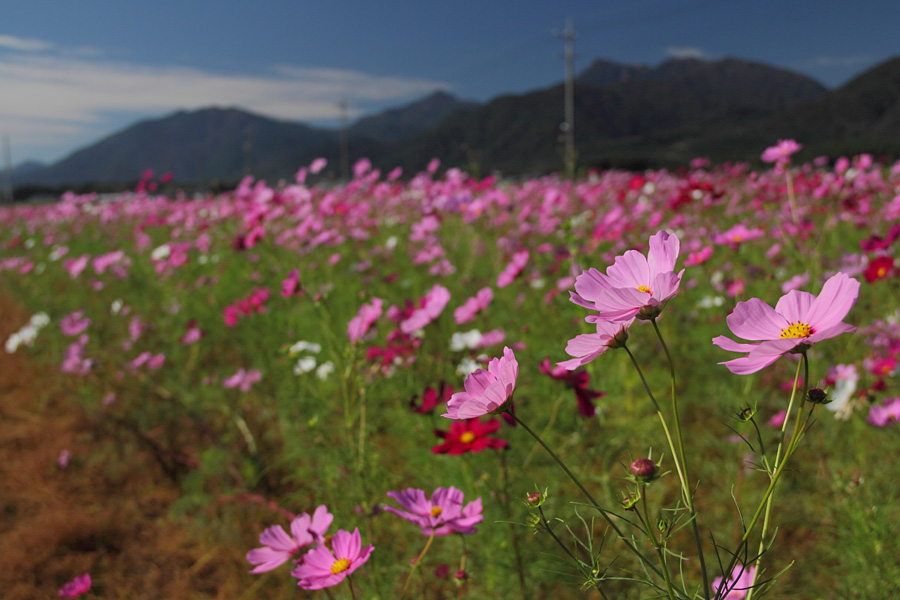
630 500
461 575
648 312
745 414
662 524
817 396
536 498
619 340
644 469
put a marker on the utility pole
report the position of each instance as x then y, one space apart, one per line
344 142
568 126
7 169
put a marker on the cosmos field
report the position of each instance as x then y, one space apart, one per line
286 356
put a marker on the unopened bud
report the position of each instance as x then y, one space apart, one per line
746 413
536 498
817 396
644 469
662 524
461 575
648 312
630 500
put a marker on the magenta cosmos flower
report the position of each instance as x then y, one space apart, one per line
737 586
634 286
486 391
443 514
279 547
365 318
798 321
323 567
78 586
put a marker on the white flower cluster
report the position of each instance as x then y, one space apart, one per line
468 340
308 363
27 334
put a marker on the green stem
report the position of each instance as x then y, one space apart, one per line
515 538
685 481
578 563
795 436
685 491
657 546
416 564
776 475
604 513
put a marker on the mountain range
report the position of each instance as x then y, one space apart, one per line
629 116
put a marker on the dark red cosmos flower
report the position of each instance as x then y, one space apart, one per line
879 268
468 435
875 243
431 398
578 381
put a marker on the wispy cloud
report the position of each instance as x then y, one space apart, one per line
59 99
685 52
21 44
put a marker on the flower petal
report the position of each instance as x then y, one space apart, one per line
753 319
630 270
834 302
794 306
663 253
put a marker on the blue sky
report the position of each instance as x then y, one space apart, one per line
72 72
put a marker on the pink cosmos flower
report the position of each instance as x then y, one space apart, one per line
368 314
737 585
291 284
443 514
491 338
192 335
78 586
486 391
795 282
880 415
76 265
473 306
317 165
777 420
798 321
323 567
699 257
243 379
737 235
432 305
588 346
74 360
279 547
780 153
513 268
74 323
634 286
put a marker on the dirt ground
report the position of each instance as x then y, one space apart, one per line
106 513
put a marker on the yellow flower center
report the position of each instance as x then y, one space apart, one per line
467 438
644 288
881 272
340 565
796 330
436 511
738 238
